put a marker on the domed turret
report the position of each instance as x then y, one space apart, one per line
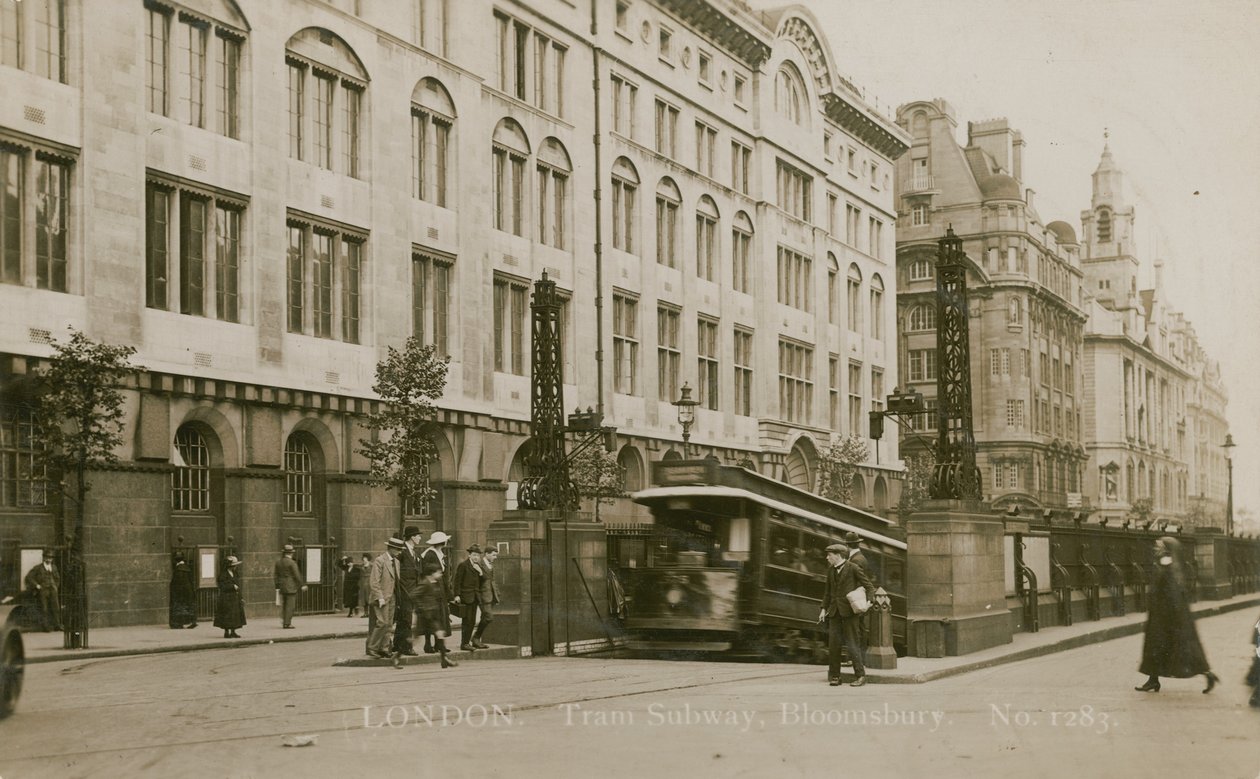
1063 233
1000 187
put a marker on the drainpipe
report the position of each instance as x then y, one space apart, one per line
599 214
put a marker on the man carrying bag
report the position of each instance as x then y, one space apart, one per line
847 584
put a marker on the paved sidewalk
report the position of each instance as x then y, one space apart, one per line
150 639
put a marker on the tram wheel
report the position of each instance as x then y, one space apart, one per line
12 669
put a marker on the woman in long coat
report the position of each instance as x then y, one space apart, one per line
183 592
1171 647
229 609
350 590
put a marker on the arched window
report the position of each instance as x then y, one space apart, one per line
877 307
741 251
554 169
833 291
919 125
668 201
706 237
922 317
432 119
921 270
625 187
631 468
190 481
855 298
790 98
200 85
298 489
1015 311
327 84
1104 225
510 151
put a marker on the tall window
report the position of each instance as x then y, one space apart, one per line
668 355
666 129
855 398
741 167
795 190
41 22
193 247
877 389
707 362
921 270
790 99
553 194
1015 414
877 308
796 381
625 98
922 365
741 253
833 291
22 477
706 238
668 229
11 35
298 487
625 344
432 117
204 89
625 186
510 311
918 215
795 286
922 317
855 298
531 65
326 103
833 391
429 25
190 481
34 236
325 272
706 148
875 244
743 360
509 152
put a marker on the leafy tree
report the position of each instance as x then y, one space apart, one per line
914 484
597 474
838 465
1142 508
408 381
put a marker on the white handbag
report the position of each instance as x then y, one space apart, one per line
858 601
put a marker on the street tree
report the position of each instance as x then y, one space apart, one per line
80 417
597 474
915 482
408 382
838 465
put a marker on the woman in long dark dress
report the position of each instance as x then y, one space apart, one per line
350 591
1172 645
183 592
229 609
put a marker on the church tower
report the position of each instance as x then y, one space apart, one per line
1107 255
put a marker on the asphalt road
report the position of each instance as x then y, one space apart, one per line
226 712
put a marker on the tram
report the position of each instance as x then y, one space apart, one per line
734 562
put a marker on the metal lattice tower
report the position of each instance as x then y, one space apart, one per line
548 484
956 476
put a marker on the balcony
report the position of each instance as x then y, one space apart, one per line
919 184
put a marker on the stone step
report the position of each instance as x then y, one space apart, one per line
495 652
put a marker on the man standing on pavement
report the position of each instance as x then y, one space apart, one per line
435 554
487 597
288 585
382 584
408 579
854 541
843 577
466 586
44 582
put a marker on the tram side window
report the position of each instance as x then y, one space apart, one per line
739 542
785 544
875 566
894 576
816 553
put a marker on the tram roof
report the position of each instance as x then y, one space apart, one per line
715 491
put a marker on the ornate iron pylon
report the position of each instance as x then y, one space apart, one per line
548 484
956 476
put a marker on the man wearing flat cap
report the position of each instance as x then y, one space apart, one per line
288 584
408 581
469 576
435 554
382 591
843 577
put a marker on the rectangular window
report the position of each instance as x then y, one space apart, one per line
509 321
922 365
795 279
743 357
1015 414
325 273
623 196
625 344
50 39
192 71
834 389
623 16
877 389
322 284
877 310
227 263
918 215
352 102
854 288
52 214
706 148
229 68
297 109
157 236
430 25
508 175
296 261
665 42
667 230
624 99
11 35
668 355
833 215
795 190
666 129
796 384
351 289
192 255
741 89
553 186
707 363
876 246
522 53
430 137
325 86
22 482
741 252
704 69
741 167
156 38
855 399
706 245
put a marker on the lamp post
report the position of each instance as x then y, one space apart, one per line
686 414
1229 500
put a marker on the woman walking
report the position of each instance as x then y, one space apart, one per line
229 608
1171 647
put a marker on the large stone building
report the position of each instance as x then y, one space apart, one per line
264 196
1027 318
1155 410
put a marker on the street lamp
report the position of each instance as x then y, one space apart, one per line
1229 503
686 414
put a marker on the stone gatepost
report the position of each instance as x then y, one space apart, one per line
1211 558
955 585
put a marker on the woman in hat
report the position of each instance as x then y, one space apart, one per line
350 585
1171 647
229 609
183 594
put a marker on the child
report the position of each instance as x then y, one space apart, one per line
428 604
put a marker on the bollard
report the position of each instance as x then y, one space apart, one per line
880 653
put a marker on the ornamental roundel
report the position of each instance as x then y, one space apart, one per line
645 32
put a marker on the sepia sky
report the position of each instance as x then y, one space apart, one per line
1174 84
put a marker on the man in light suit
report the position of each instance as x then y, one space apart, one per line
382 582
842 622
288 584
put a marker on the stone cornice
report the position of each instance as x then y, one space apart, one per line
723 29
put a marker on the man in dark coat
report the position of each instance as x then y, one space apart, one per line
44 580
288 584
842 622
466 586
229 607
854 541
408 579
183 595
487 597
